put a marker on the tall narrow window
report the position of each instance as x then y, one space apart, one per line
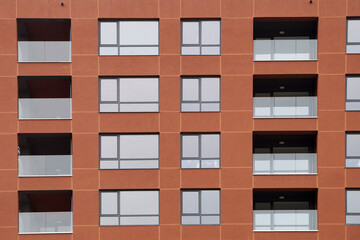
126 208
200 37
200 94
353 150
129 151
353 206
139 37
353 36
352 93
200 207
129 94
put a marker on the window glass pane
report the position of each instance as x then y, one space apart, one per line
353 88
109 51
109 164
210 145
210 163
353 48
139 164
210 50
353 31
139 51
108 147
190 220
109 221
353 145
190 50
210 32
190 202
353 163
210 220
190 164
109 203
190 89
139 221
190 107
210 89
108 34
109 107
190 146
139 107
210 107
139 33
353 201
139 89
139 146
108 90
139 203
190 31
210 202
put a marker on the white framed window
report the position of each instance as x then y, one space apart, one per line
200 150
200 37
352 93
352 150
129 151
200 207
353 36
129 208
200 94
353 206
130 37
125 94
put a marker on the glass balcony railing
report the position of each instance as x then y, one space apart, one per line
45 222
284 163
285 107
285 220
285 50
45 108
45 165
44 51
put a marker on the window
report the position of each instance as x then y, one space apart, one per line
200 207
352 93
129 94
200 151
353 36
139 37
353 150
200 94
200 37
129 151
353 206
126 208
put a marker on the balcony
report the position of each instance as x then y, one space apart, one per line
285 107
285 163
45 108
44 51
285 220
45 222
45 166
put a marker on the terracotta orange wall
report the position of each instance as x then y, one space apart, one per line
235 121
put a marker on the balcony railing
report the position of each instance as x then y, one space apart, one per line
285 107
44 51
285 50
285 163
45 108
45 165
285 220
45 222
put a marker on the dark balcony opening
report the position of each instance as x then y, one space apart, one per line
45 201
44 87
284 86
45 144
284 200
44 30
285 28
285 143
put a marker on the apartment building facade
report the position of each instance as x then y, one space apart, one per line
179 119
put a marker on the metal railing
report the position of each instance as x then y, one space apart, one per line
285 220
284 163
285 50
45 108
45 222
285 107
45 165
44 51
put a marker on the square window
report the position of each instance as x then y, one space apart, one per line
200 94
129 208
140 37
200 150
129 151
353 206
200 207
129 94
200 37
353 36
352 93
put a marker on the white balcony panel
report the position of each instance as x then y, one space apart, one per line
45 165
45 108
45 222
44 51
